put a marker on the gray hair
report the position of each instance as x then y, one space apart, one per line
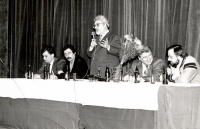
143 49
103 19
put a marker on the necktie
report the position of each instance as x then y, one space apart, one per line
145 71
48 67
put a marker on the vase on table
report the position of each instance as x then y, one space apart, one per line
117 73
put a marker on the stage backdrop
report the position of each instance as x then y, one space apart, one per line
158 23
3 38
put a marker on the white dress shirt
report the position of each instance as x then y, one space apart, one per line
71 64
50 67
144 69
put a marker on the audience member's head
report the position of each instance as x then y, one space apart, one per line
174 53
145 55
48 53
69 52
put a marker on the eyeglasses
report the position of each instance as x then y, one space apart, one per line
147 57
97 25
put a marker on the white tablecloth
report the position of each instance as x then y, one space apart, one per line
123 95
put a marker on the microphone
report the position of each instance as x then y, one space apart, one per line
93 34
7 70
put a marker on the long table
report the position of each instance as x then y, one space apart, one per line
60 104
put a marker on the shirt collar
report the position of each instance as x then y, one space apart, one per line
51 62
72 62
145 66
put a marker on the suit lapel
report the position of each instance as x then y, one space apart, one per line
104 38
140 68
75 62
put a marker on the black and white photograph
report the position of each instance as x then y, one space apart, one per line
99 64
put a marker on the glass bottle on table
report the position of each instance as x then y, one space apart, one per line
67 73
45 72
107 74
165 81
136 74
99 70
29 73
121 75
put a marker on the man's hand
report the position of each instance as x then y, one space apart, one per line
105 44
141 79
129 78
52 76
60 71
176 71
93 44
36 76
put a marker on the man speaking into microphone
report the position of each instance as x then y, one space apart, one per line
104 49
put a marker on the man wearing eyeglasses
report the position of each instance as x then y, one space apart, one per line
104 49
148 65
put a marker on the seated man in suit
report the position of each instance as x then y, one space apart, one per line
55 65
75 63
182 68
147 65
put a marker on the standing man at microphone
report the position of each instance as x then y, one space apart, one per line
104 49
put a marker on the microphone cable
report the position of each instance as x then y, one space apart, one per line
94 53
90 63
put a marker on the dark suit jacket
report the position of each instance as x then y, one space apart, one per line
80 67
102 57
58 65
155 69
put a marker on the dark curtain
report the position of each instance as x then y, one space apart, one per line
3 38
50 22
158 23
